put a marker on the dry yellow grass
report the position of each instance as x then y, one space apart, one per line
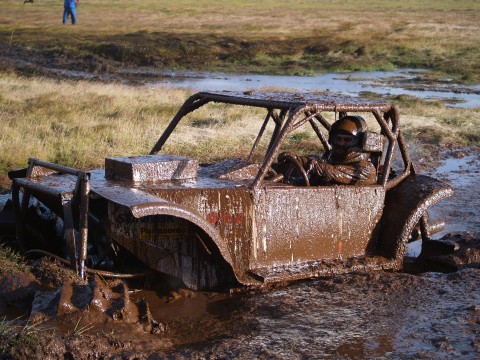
346 19
74 122
79 123
292 18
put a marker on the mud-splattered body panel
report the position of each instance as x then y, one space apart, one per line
228 209
304 224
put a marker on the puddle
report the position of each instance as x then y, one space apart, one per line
411 82
460 210
401 82
353 316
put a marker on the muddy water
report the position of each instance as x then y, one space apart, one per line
409 82
401 82
462 171
366 316
357 316
377 315
461 210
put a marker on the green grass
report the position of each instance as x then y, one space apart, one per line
281 37
12 262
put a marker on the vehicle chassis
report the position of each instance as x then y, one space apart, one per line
227 224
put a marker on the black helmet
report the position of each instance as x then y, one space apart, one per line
347 131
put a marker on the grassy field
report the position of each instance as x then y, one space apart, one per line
79 123
288 37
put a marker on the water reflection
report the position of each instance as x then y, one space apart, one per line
399 82
460 210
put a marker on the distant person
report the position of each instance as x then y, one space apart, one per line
70 9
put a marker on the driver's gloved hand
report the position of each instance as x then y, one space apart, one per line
317 167
319 172
310 165
282 156
282 165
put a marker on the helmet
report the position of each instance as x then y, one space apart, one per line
347 131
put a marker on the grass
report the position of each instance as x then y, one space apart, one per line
14 333
282 37
79 330
11 262
71 122
79 123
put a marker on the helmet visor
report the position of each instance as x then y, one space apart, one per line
343 140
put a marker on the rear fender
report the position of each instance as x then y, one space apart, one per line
405 204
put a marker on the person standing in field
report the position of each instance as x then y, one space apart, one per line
70 9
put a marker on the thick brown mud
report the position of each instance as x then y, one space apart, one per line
376 315
49 313
435 313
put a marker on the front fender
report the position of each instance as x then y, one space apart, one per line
404 206
143 204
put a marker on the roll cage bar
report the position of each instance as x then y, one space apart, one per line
289 111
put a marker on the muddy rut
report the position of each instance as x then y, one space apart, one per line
364 315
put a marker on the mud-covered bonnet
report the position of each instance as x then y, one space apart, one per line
352 125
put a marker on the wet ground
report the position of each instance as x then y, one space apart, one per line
368 316
402 82
362 316
410 82
462 171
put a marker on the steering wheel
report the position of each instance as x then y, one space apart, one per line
294 164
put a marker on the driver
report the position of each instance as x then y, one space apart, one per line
346 163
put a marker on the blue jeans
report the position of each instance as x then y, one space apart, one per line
73 14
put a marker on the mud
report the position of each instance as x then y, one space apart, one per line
362 315
48 313
110 64
434 313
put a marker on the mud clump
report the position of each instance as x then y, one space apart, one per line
358 315
49 299
17 290
451 253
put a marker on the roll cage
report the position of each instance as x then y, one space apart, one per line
289 111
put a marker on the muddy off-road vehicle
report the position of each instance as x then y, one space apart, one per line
236 222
